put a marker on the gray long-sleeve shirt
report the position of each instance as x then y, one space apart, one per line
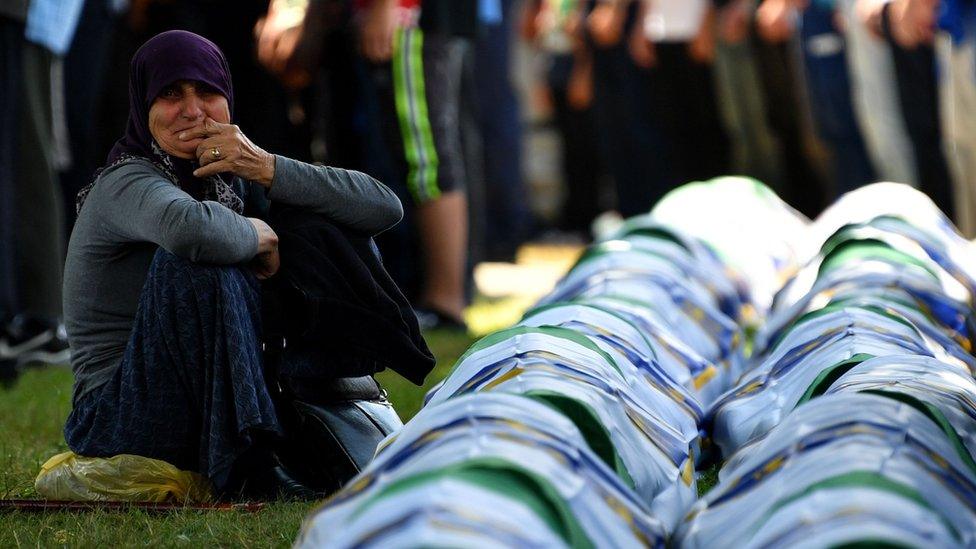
133 210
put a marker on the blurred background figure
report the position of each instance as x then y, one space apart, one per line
673 43
804 183
875 94
506 213
630 141
553 26
86 69
956 48
35 36
755 150
829 87
908 27
441 99
415 51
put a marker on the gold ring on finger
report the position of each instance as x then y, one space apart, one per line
215 152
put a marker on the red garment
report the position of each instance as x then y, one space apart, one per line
360 5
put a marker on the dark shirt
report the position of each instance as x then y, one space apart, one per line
449 17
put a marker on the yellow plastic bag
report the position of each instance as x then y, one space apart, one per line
124 477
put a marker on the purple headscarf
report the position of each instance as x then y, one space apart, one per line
166 58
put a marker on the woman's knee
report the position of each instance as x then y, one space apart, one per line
175 280
167 268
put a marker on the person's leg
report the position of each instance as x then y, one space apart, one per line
507 212
475 171
632 142
384 159
443 234
803 187
666 110
84 74
190 389
915 74
705 151
876 103
585 200
37 200
743 108
580 155
609 127
958 83
828 87
11 42
426 82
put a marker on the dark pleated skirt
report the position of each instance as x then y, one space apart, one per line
190 389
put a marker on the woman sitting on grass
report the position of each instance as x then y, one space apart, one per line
161 292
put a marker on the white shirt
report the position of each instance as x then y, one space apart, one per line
674 20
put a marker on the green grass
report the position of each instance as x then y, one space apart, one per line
32 414
406 397
707 479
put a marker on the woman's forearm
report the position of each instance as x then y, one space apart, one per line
139 204
350 198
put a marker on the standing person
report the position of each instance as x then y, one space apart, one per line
755 152
909 26
35 35
828 86
876 101
416 48
554 27
12 15
674 41
507 215
86 66
957 53
804 186
631 141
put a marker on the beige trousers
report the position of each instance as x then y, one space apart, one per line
958 98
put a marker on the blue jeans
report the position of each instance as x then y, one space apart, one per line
190 389
507 213
829 86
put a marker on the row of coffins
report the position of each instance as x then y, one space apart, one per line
856 422
582 424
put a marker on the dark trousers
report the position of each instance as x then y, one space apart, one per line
190 389
829 87
581 158
507 215
803 186
681 97
31 237
404 162
85 67
919 94
630 141
11 43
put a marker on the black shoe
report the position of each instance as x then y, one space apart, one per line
433 319
8 373
274 482
27 342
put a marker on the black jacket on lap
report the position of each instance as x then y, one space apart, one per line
334 306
